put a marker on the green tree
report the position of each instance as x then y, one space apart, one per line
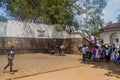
59 12
49 11
91 15
24 9
118 18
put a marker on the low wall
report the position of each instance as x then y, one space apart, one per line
28 45
23 45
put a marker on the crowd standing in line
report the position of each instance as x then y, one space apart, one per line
101 53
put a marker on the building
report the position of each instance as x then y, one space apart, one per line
111 34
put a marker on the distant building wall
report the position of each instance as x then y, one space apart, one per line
111 37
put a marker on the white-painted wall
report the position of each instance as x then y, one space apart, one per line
106 36
30 30
3 27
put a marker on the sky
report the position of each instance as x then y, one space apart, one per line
3 11
111 11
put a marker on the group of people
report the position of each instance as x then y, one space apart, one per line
101 53
96 53
58 50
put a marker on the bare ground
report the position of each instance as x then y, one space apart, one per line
51 67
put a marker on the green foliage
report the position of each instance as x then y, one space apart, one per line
92 10
48 11
24 9
96 23
59 28
56 11
59 12
118 18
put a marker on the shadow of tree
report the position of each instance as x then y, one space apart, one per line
113 69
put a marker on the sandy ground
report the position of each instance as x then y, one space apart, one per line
51 67
85 72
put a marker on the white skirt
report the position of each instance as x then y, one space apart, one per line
97 55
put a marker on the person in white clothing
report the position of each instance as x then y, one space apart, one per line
84 53
62 48
11 54
97 53
113 55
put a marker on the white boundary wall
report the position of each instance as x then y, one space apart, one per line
32 30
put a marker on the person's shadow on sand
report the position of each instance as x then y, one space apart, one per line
14 71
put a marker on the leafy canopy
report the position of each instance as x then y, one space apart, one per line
90 12
59 12
50 11
118 18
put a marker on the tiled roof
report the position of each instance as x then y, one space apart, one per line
112 26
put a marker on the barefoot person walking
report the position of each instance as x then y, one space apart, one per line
11 54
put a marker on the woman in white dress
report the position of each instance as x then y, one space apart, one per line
97 53
113 55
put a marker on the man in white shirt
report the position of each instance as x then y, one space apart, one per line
84 53
11 54
92 39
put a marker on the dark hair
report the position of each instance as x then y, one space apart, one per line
12 47
114 49
119 51
52 47
84 45
97 47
